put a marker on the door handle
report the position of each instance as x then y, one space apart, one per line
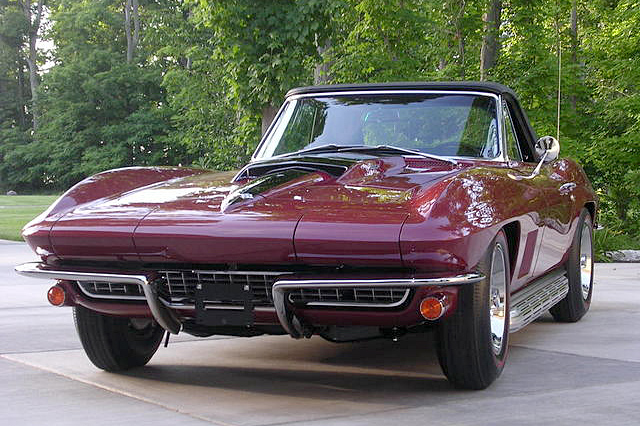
567 188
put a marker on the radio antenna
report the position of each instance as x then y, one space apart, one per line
559 86
559 77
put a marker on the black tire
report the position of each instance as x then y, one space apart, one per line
464 340
576 304
115 343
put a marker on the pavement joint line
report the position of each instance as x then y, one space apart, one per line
11 308
117 391
79 348
40 352
572 354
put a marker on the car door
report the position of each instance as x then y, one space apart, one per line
557 216
545 246
520 160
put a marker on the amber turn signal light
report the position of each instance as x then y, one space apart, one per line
432 308
56 295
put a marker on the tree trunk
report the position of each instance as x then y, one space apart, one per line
490 41
268 114
32 58
22 119
136 25
321 72
186 61
574 47
127 30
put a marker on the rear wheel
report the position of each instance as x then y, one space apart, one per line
579 272
473 342
115 343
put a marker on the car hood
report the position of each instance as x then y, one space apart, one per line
289 214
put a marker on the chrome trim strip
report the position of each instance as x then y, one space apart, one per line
391 92
202 271
391 282
502 143
292 326
163 316
185 307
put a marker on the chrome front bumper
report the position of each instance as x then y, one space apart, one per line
292 325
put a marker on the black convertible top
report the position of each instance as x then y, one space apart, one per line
479 86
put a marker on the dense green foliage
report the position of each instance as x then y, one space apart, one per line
191 82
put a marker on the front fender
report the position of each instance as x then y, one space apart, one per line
454 222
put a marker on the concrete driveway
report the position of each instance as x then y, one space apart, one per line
565 374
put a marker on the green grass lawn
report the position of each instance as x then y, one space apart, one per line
17 210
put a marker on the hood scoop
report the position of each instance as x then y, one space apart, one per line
308 165
276 181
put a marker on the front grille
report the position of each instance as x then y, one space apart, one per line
180 286
362 296
178 289
106 290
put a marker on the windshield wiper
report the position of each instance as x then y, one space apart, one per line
322 148
366 148
391 148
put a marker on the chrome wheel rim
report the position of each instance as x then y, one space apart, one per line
586 261
497 298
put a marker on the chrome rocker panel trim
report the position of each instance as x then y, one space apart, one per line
535 299
163 316
292 325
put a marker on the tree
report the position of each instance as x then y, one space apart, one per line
612 52
15 123
265 47
216 133
98 110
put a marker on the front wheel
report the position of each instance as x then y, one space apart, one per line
473 342
579 272
115 343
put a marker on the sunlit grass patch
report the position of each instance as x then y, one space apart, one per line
17 210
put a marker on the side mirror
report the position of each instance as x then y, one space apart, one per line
548 145
548 149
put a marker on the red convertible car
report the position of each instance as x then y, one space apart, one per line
370 210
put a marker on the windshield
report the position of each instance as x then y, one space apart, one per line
460 125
